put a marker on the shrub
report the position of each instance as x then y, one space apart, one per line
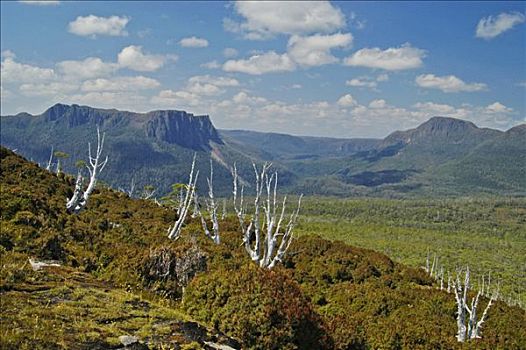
264 309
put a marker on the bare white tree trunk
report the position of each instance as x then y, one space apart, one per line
174 232
79 200
77 193
148 193
460 296
50 161
270 250
211 207
472 330
96 166
223 213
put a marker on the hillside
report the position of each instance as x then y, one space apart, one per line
111 282
441 157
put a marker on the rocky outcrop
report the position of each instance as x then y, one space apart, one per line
184 129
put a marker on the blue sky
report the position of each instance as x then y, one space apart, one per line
342 69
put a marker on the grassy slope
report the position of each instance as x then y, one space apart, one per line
351 297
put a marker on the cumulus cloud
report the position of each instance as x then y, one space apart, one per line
8 54
120 84
498 107
91 67
57 88
176 99
448 83
219 81
263 19
110 99
347 101
211 65
362 82
40 3
434 108
393 59
197 92
315 50
13 71
93 25
367 82
377 104
491 27
193 42
268 62
132 57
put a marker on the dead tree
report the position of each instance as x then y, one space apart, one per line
472 329
211 207
148 192
50 161
80 197
174 232
264 238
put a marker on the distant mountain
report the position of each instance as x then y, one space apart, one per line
282 146
443 156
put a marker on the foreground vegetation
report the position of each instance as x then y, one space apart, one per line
119 274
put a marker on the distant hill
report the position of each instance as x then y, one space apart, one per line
443 156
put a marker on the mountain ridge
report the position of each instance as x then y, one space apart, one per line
433 158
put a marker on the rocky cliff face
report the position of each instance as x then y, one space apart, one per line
182 128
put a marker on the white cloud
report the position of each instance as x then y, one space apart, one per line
498 107
362 82
347 101
448 83
367 82
263 19
8 54
109 99
268 62
296 86
14 72
176 99
490 27
54 89
434 108
93 25
91 67
219 81
197 92
400 58
132 57
120 84
230 52
40 3
193 42
315 50
377 104
211 65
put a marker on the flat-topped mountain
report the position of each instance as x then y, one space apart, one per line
171 126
